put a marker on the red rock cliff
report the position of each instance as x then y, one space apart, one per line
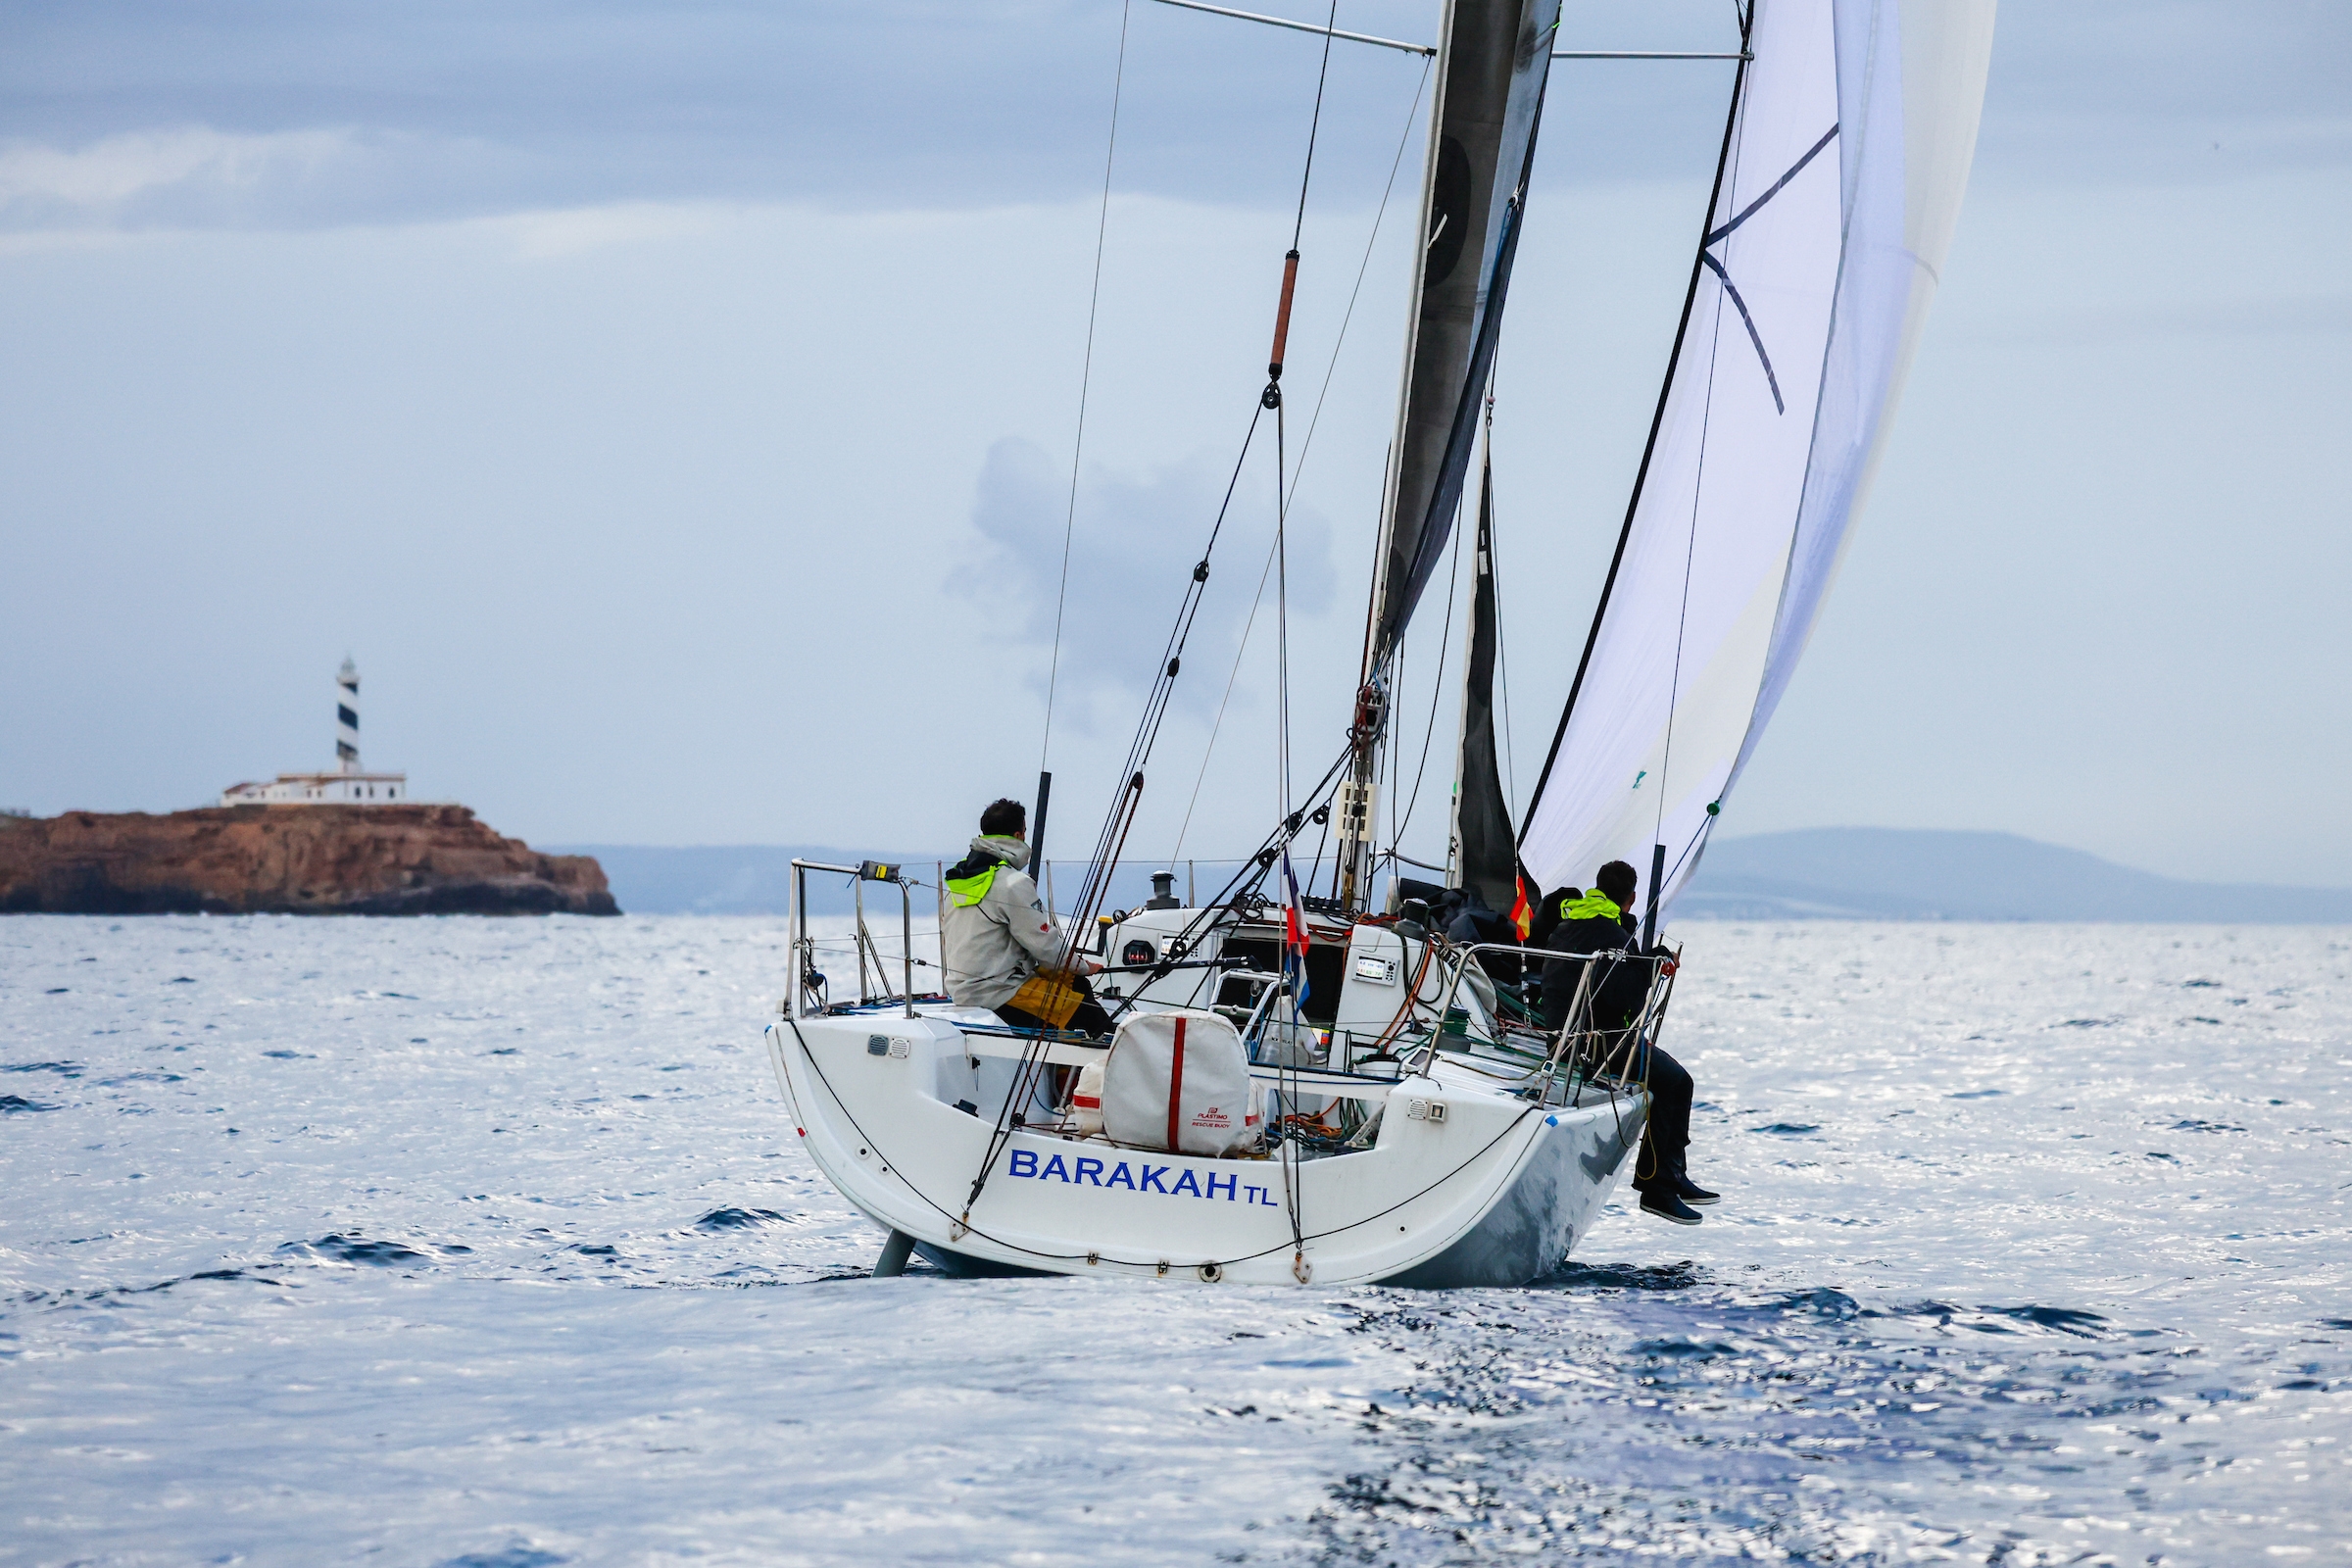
287 860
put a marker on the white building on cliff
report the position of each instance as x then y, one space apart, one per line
349 784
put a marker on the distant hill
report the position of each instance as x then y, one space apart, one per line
1872 873
1849 873
757 879
738 879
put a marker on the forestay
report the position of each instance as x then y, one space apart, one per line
1848 149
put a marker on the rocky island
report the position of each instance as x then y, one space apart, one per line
287 860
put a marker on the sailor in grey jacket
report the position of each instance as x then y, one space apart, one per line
995 923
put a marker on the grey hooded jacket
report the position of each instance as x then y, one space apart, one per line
996 930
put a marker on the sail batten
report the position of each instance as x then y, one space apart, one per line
1846 155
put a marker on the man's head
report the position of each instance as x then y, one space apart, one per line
1617 881
1004 819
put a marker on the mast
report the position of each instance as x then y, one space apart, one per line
1494 59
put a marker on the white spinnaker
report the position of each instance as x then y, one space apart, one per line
1744 511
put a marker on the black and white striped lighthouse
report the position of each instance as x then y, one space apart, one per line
348 785
346 716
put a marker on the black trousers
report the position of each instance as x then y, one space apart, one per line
1090 1019
1666 1141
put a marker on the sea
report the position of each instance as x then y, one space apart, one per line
488 1244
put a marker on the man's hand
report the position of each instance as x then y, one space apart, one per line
1088 967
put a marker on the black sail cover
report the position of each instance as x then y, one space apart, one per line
1495 59
1486 848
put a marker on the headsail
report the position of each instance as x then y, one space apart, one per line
1847 151
1495 59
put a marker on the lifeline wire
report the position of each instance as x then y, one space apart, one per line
1086 375
891 1165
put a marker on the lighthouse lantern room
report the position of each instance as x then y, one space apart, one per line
348 785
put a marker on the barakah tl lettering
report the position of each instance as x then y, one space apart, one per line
1141 1178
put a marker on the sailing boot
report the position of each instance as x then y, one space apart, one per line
1660 1199
1689 1191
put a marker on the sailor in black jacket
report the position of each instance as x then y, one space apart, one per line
1598 928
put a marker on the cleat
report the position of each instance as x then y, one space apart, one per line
1667 1207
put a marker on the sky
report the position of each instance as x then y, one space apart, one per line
671 410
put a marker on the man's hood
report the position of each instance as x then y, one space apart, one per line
1002 847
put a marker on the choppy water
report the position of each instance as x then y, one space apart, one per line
484 1243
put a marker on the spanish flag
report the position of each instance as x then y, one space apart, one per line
1523 908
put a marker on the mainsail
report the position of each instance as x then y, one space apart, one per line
1848 148
1494 59
1485 859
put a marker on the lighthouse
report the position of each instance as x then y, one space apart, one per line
348 785
346 716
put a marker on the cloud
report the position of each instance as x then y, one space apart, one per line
115 176
287 114
467 110
1131 553
545 236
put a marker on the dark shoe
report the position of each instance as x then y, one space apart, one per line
1689 1191
1663 1204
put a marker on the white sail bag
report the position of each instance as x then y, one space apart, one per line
1180 1081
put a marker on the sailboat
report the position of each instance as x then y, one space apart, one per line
1391 1108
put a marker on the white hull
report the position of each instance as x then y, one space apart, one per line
1494 1189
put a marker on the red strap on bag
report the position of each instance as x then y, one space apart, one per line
1175 1086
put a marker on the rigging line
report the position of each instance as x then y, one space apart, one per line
1313 125
1649 448
1502 659
1422 49
1403 140
1086 375
1294 1191
1252 869
1494 579
1699 489
1705 824
1162 686
1437 685
1282 628
1305 445
1207 752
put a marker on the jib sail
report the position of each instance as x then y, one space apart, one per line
1844 159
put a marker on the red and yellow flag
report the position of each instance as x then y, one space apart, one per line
1523 910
